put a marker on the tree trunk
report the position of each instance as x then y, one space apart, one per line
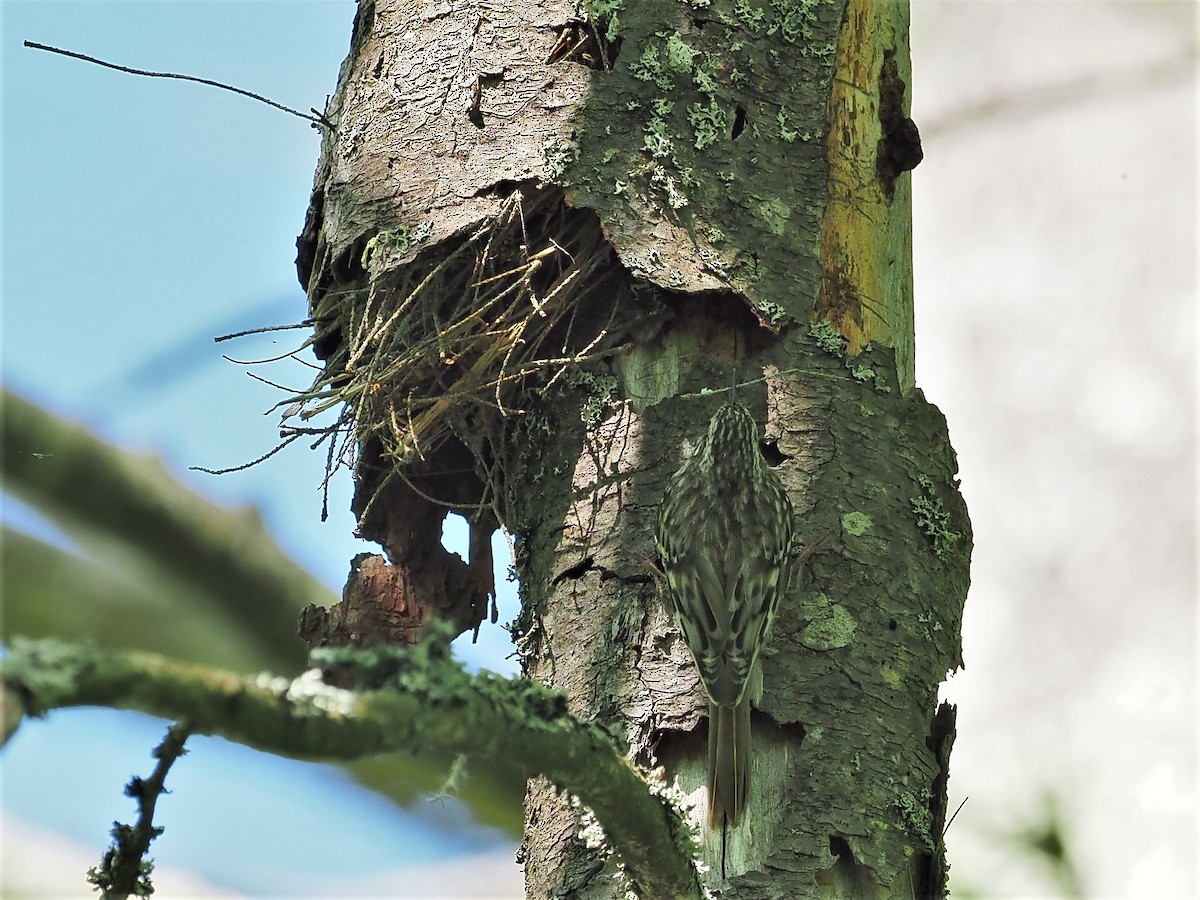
541 242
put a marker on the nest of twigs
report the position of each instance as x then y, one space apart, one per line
452 343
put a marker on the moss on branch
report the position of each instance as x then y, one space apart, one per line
106 497
410 700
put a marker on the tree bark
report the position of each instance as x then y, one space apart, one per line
541 242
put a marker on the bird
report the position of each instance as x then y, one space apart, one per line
724 536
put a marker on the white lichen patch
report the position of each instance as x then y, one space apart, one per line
275 684
309 688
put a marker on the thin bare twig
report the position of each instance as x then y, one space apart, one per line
316 120
237 334
254 462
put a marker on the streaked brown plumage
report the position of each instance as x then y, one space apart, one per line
724 535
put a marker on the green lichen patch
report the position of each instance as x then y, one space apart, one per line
710 122
828 339
914 813
856 523
394 242
558 157
606 16
775 215
864 373
598 390
932 518
830 624
772 313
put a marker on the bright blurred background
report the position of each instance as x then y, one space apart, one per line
1055 254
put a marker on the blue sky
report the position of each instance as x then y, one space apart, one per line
142 218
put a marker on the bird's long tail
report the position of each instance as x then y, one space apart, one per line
728 762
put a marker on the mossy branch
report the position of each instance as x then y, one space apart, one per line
94 489
415 699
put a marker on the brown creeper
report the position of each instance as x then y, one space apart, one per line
724 535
